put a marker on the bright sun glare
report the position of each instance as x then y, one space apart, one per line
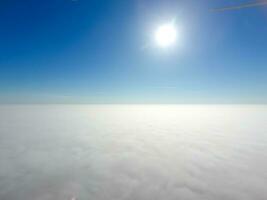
166 35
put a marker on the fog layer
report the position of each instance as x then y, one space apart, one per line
133 152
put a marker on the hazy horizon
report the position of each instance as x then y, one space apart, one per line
133 100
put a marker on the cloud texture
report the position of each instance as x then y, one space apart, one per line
130 152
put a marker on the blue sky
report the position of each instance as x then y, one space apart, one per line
63 51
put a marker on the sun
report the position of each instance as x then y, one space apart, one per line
166 35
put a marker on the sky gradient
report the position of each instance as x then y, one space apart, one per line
63 51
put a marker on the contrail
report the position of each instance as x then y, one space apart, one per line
242 6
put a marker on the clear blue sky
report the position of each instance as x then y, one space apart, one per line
63 51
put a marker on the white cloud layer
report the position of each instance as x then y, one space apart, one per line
149 152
